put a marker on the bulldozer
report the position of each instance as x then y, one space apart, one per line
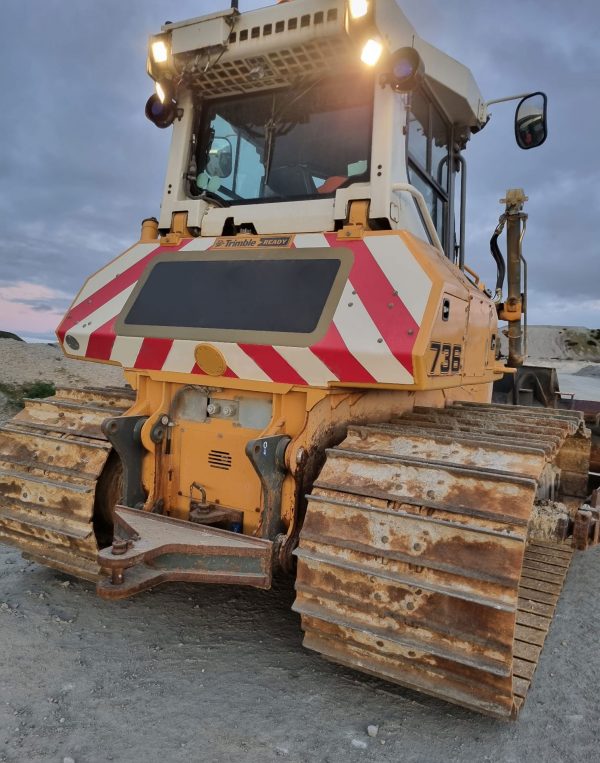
310 361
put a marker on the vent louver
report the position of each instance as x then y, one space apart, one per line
219 459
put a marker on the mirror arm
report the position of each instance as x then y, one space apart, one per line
485 106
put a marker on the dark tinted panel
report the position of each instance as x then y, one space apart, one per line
286 296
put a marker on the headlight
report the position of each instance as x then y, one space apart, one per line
160 52
371 53
358 8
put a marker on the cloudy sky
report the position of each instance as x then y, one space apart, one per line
80 166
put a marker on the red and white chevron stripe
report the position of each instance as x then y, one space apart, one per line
370 339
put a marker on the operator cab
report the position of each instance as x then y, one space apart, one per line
284 116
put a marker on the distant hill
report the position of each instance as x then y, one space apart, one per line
561 343
8 335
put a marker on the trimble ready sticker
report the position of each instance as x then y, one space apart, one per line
253 242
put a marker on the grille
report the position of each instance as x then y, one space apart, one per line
219 459
246 69
280 26
276 69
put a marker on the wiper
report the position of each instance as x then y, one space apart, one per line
272 127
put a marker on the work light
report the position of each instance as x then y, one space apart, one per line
358 8
371 53
160 52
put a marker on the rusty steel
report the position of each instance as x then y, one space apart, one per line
53 457
417 561
160 549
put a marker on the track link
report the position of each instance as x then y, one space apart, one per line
52 454
416 560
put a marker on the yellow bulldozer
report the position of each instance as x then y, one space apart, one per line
310 364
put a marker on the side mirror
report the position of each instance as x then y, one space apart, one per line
531 126
220 158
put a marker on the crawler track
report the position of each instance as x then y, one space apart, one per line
53 457
416 561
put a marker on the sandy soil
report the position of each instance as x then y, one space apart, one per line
217 674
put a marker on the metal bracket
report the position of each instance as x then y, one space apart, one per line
267 456
152 549
124 434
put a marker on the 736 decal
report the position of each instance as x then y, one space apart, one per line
444 358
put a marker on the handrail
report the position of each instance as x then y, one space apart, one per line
420 199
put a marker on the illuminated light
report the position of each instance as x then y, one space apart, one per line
160 92
359 8
371 53
159 52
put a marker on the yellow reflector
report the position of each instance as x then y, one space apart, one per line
210 360
359 8
160 92
159 52
371 53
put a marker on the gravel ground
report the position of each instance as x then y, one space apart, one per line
217 674
22 362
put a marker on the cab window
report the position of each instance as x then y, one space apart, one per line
428 144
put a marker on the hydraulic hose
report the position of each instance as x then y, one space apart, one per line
498 258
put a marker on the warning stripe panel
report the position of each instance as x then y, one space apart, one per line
101 342
307 363
153 353
111 289
370 340
403 272
273 364
397 326
118 265
334 353
364 340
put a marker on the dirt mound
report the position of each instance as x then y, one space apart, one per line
558 343
593 371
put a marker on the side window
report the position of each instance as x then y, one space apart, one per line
428 144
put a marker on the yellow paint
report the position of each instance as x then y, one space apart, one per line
313 417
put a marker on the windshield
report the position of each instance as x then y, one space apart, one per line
298 143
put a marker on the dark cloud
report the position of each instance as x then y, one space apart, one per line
80 166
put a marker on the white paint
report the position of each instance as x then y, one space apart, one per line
403 272
181 356
126 349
